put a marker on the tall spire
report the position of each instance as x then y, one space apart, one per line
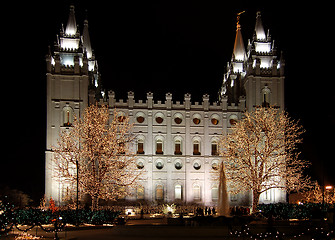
259 29
86 40
239 50
71 27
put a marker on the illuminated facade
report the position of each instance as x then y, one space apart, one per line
177 142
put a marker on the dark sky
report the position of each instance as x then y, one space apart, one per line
162 46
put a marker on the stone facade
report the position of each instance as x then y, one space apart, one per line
176 142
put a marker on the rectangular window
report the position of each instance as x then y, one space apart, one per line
196 149
177 149
177 192
215 194
140 149
140 193
159 192
196 193
159 148
214 149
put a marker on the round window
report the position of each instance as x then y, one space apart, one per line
215 166
178 120
159 165
196 166
215 121
196 121
232 121
140 119
140 165
159 120
121 118
178 165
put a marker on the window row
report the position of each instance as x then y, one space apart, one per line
178 164
68 117
177 118
159 147
179 191
159 193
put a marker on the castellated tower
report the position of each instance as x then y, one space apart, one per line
176 142
264 82
71 74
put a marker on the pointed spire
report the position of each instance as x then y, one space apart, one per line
259 29
86 40
239 50
71 27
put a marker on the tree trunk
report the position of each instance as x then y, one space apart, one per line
95 202
255 200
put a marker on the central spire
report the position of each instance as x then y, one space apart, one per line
259 29
86 40
239 53
71 27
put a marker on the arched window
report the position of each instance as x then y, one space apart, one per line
196 147
177 147
178 192
214 145
140 193
196 192
67 116
266 93
140 146
215 193
159 192
159 146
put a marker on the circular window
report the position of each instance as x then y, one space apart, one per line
121 118
159 120
140 119
215 121
178 120
196 121
140 165
196 165
178 165
233 119
215 165
159 165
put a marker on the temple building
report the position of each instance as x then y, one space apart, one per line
176 142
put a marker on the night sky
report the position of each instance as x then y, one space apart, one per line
162 46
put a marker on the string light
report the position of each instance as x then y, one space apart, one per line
101 146
260 154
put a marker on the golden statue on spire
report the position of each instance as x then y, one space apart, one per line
238 17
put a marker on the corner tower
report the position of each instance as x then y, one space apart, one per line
264 81
232 86
71 72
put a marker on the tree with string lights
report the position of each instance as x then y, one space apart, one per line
320 194
96 153
260 153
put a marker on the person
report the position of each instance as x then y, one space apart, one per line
142 213
209 211
206 211
213 211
